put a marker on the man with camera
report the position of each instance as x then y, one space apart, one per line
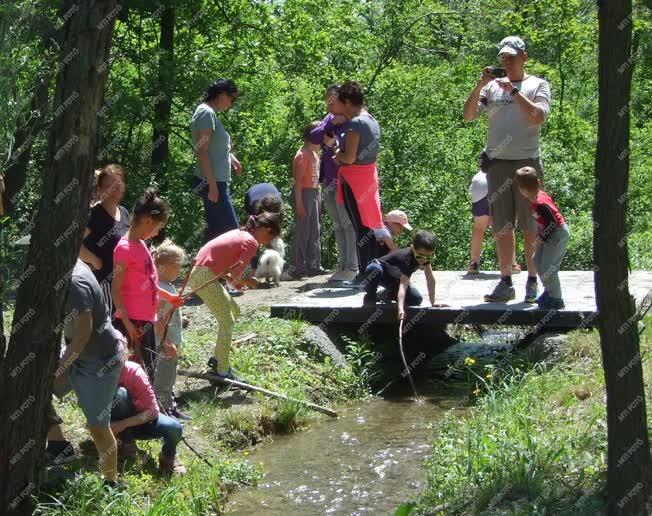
517 104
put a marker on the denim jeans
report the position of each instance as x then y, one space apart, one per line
376 275
220 216
163 427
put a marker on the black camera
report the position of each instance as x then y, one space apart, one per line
497 71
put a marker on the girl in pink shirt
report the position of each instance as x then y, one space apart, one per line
215 258
135 288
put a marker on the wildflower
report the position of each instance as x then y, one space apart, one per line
477 392
490 376
469 361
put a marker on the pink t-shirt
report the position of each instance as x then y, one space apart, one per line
134 378
222 252
140 286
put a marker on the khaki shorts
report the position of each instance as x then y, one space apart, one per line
507 207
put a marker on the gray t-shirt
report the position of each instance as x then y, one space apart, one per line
369 130
511 135
86 296
174 334
219 148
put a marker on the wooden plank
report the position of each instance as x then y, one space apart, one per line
464 295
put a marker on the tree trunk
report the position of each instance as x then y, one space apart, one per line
163 99
26 374
628 447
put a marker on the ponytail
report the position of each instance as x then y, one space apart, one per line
150 205
265 219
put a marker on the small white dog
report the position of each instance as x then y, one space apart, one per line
270 265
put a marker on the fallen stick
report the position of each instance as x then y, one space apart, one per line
407 369
245 386
244 338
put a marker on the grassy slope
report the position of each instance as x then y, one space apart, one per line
535 442
224 426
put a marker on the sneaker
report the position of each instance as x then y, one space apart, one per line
169 466
473 268
542 297
317 272
502 292
342 275
234 292
531 291
516 268
369 300
114 485
176 413
552 303
231 375
59 452
356 282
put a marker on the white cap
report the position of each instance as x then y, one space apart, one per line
511 45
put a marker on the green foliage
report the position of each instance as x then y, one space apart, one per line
535 443
419 60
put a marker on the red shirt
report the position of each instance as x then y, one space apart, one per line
134 378
307 163
222 252
547 215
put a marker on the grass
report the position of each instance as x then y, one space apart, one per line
535 443
225 425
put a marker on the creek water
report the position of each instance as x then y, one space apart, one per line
368 461
371 459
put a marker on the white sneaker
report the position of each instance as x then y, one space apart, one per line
343 275
337 275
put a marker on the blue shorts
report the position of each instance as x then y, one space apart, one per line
95 383
480 208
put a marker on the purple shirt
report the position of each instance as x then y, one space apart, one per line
328 167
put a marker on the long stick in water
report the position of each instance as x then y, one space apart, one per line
407 369
247 387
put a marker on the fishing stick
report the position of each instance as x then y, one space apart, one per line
409 371
247 387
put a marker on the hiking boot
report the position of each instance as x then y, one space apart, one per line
342 275
531 290
369 300
59 452
169 466
473 268
503 292
552 303
176 413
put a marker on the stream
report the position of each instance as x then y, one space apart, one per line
368 461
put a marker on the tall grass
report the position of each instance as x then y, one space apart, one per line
535 443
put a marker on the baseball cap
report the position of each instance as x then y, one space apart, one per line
511 45
399 217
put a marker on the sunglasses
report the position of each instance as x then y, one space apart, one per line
422 257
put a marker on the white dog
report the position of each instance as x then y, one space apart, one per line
271 262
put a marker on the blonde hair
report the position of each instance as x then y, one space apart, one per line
168 252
